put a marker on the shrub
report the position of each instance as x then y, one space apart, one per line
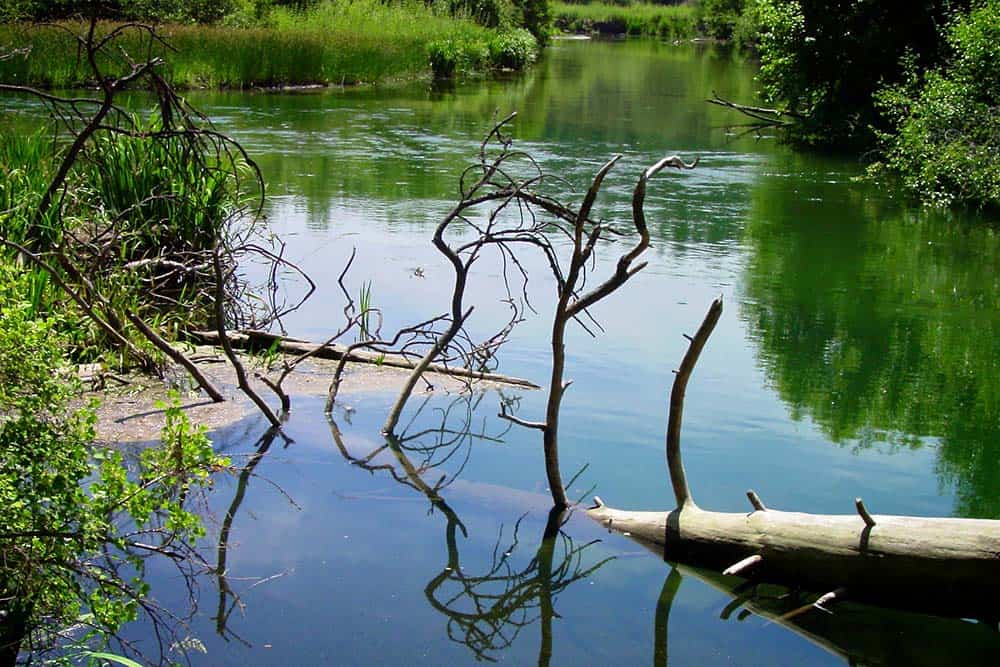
719 18
827 58
945 137
452 56
513 50
67 508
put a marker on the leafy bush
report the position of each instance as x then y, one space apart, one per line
945 136
449 57
536 18
827 58
719 18
67 508
513 50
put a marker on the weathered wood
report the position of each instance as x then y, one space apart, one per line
947 566
259 341
743 565
942 565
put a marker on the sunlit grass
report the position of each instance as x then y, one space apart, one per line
344 42
637 18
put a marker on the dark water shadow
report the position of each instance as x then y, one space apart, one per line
858 634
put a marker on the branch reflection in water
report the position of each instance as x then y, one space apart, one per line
229 600
487 611
858 634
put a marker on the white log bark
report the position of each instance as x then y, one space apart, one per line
947 566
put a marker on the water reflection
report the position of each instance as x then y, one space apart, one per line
486 609
881 325
229 600
858 634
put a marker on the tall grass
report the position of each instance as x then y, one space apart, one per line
350 41
633 18
129 199
164 200
27 164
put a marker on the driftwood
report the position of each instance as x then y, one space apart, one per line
940 565
257 341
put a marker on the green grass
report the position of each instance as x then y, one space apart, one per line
27 164
638 19
361 41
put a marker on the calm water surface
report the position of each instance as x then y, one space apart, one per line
857 356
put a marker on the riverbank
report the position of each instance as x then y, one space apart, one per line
331 44
135 412
636 19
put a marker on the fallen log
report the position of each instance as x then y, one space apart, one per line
938 565
259 341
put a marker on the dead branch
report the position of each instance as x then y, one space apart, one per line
764 115
573 303
220 323
678 478
939 565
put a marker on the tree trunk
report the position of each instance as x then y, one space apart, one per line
945 566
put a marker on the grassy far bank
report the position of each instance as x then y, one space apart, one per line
679 21
360 41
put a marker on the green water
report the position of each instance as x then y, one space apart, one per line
858 355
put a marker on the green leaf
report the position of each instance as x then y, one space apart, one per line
111 657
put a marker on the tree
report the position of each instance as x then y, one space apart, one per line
826 59
944 136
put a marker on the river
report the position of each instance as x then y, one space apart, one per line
858 355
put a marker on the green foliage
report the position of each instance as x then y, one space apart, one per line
719 18
536 18
357 41
639 19
489 13
450 57
367 313
200 11
163 199
167 199
827 59
27 164
515 49
65 506
945 137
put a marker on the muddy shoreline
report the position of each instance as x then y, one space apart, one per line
133 412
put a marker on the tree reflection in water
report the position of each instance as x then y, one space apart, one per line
229 600
858 634
486 611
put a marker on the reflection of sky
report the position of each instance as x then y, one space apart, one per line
356 551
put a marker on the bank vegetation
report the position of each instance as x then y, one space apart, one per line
264 44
